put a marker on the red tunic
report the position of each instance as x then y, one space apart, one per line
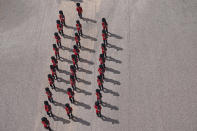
79 10
68 110
104 25
47 108
99 82
98 108
104 36
62 19
70 94
78 27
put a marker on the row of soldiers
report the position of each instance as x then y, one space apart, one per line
101 68
54 66
73 68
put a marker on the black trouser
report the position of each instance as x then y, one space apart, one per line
63 23
76 66
72 100
56 67
70 115
52 86
50 99
61 32
59 44
101 87
50 114
99 100
74 87
78 44
75 76
55 76
80 32
80 15
98 114
57 56
105 41
105 54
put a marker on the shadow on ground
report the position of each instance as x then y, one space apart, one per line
83 122
104 104
108 119
57 118
77 103
105 90
112 81
78 90
112 70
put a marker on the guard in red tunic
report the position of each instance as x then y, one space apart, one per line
73 71
45 123
79 27
47 108
62 18
105 25
104 50
71 94
101 71
79 10
98 108
76 51
69 110
77 40
104 35
49 94
58 39
59 27
73 82
99 96
75 61
55 62
102 60
56 50
53 72
51 81
100 82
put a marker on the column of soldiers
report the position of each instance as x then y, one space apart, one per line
54 67
101 68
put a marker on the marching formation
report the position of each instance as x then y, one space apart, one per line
73 67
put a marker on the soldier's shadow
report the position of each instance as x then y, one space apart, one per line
86 61
84 81
60 90
105 90
89 37
89 20
104 104
77 119
66 48
84 70
57 118
77 103
114 35
112 81
65 60
113 46
63 80
112 70
87 49
78 90
108 119
55 103
64 71
109 58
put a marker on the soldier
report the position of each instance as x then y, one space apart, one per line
100 82
104 50
98 109
71 95
79 27
77 40
76 51
79 10
53 72
49 95
101 71
104 35
99 96
75 61
56 50
46 123
55 62
73 71
62 18
73 82
51 81
58 39
68 110
59 27
102 60
48 109
105 25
